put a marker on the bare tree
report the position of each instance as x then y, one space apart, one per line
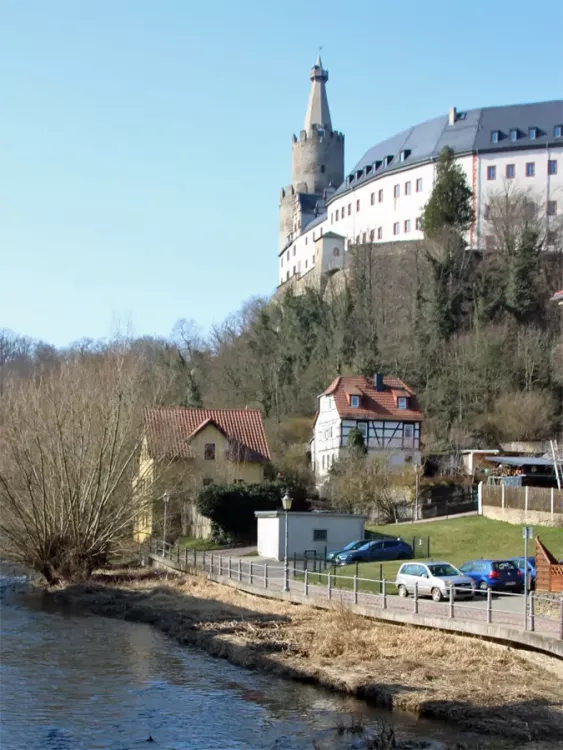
69 446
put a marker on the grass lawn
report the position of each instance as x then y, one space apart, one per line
456 541
188 542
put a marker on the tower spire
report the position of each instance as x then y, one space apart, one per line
318 113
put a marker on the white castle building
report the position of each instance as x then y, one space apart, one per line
323 211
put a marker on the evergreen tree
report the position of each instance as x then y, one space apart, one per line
522 298
449 206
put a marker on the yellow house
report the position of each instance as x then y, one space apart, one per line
187 447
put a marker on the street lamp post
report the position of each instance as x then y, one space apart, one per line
286 502
165 498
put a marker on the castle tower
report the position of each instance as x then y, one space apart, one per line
317 155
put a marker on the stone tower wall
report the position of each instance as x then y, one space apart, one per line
317 160
287 202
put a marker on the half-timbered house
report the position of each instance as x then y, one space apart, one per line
384 409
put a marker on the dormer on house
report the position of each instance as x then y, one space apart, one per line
384 409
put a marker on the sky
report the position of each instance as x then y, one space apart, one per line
143 143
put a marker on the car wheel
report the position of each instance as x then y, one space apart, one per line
483 587
403 590
436 595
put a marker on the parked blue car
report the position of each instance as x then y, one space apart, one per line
497 575
520 562
350 546
377 551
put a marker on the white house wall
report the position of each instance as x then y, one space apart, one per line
269 538
340 529
299 257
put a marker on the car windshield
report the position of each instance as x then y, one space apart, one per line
353 545
504 565
443 570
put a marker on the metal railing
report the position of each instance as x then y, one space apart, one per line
535 613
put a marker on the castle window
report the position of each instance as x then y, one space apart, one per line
489 242
306 240
322 168
287 255
294 270
287 276
306 263
373 199
209 452
550 238
336 252
379 233
418 222
364 238
342 212
372 235
510 171
396 191
551 208
281 262
294 250
552 166
491 173
407 188
349 209
533 133
419 185
358 205
407 225
336 214
396 228
530 169
331 218
380 196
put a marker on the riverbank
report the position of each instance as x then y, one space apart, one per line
476 685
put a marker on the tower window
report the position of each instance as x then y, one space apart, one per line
322 168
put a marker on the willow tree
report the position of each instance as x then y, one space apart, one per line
69 444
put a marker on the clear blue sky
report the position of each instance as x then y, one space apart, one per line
144 142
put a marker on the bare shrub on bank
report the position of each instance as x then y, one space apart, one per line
69 441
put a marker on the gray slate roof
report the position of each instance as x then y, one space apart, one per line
470 133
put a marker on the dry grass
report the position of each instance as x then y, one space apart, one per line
478 685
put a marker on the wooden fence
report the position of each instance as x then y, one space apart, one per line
541 500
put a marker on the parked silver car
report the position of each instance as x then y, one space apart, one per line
433 579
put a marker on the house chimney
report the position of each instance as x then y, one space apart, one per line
378 382
452 116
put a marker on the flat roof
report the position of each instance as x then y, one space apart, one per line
521 460
312 514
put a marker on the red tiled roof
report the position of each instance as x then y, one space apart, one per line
169 428
374 404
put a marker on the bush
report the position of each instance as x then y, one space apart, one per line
231 507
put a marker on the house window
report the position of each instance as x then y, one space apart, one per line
397 191
418 221
513 135
495 135
510 171
336 252
533 133
363 428
209 452
358 205
354 402
530 169
407 188
419 185
552 166
491 173
407 225
408 431
558 131
373 199
342 212
320 535
379 233
396 228
380 196
551 208
402 402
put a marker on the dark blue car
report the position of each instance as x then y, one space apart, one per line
520 563
350 546
377 551
497 575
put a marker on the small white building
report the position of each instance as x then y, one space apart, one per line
384 409
306 532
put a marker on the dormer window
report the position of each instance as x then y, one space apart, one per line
405 153
514 135
533 133
402 402
355 402
558 131
377 164
388 160
495 136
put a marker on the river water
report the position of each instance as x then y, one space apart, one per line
74 682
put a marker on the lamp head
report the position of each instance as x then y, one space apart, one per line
166 496
286 502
